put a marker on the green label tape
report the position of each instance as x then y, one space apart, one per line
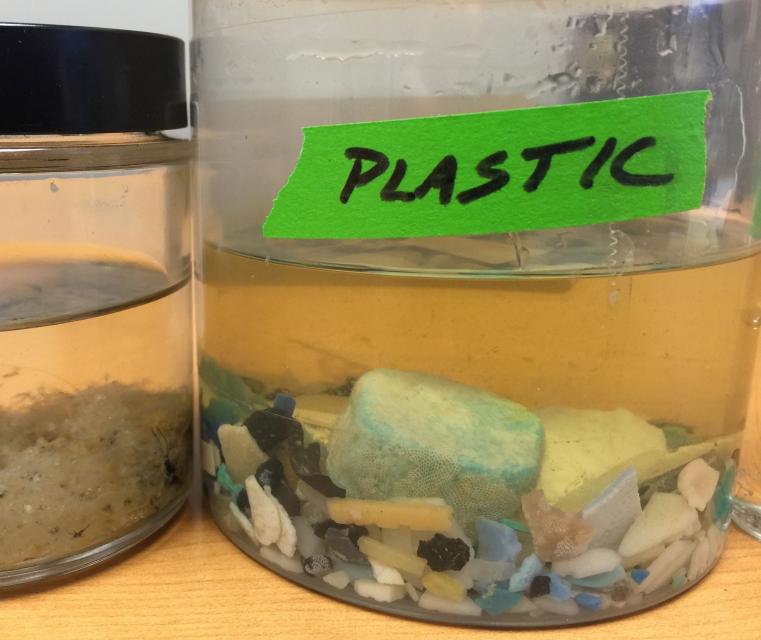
518 170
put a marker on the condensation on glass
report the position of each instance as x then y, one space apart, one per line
345 384
95 330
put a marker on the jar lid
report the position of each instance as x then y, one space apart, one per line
74 80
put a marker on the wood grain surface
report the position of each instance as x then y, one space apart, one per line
189 582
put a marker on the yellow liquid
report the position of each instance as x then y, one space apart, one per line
674 345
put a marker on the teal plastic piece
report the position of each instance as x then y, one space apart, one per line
498 600
226 482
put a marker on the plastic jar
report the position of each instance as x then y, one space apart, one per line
520 415
96 373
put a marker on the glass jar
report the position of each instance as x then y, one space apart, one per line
96 371
526 427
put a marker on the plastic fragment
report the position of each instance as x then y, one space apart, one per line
292 565
540 586
559 588
700 560
341 545
666 517
639 575
601 580
264 513
443 585
498 600
226 482
391 556
444 554
485 573
211 458
663 568
317 565
590 601
514 524
612 512
524 606
269 428
307 542
566 608
465 607
644 558
531 567
721 505
270 473
385 574
556 534
242 455
243 521
337 579
286 542
353 570
412 592
697 482
241 501
589 563
284 404
496 541
379 592
414 514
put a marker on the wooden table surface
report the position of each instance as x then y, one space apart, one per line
189 582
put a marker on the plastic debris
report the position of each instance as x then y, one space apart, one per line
613 511
292 565
697 482
379 592
342 545
391 556
559 588
590 601
563 608
721 505
700 560
270 473
243 521
498 600
496 541
337 579
444 553
412 592
353 570
665 518
269 428
226 482
265 513
242 455
663 568
284 404
556 534
211 458
531 567
644 558
286 542
540 586
317 565
639 575
414 514
385 574
587 564
241 501
443 585
485 573
465 607
601 580
417 435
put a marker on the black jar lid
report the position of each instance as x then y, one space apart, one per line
77 80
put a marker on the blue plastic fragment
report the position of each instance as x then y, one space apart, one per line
589 601
721 505
220 411
559 588
226 482
601 579
638 575
496 542
498 600
531 567
285 404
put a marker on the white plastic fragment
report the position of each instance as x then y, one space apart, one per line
242 455
666 565
562 608
337 579
524 606
589 563
307 541
385 574
287 540
292 565
699 561
613 511
380 592
486 572
696 482
640 559
465 607
666 517
264 513
211 458
412 592
243 521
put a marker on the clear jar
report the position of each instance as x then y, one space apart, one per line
96 372
344 381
